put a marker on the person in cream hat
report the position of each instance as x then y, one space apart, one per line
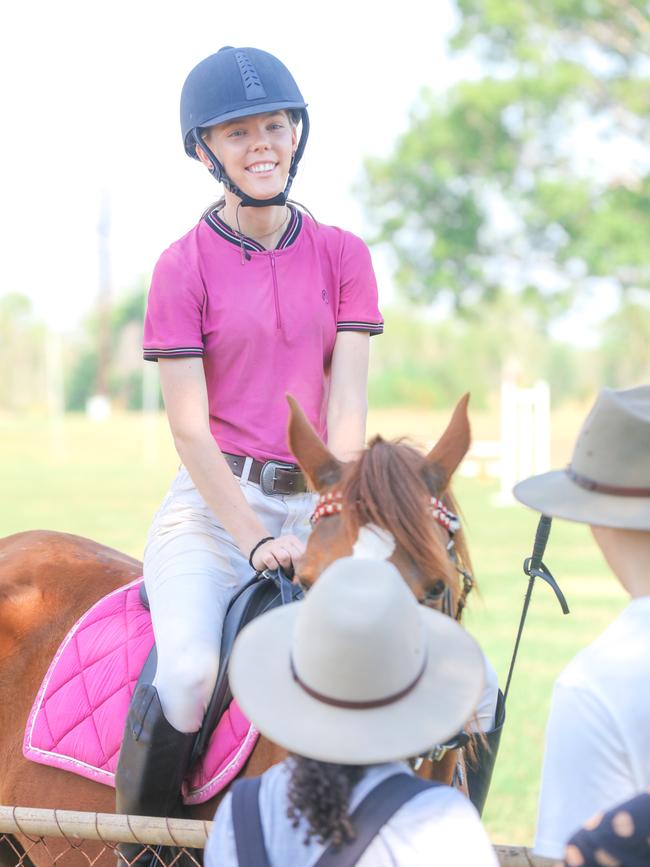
351 681
597 750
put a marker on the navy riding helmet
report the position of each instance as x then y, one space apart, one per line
238 82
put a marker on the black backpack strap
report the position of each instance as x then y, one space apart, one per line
247 823
371 815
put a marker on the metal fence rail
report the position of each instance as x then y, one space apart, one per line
29 836
67 838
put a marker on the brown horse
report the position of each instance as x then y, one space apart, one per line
390 486
48 580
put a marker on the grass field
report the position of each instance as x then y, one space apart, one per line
106 480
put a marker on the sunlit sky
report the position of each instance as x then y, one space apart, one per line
90 109
90 106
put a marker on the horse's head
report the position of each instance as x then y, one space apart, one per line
380 505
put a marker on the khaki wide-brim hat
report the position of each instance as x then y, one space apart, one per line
358 672
607 483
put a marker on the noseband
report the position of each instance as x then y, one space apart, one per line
331 503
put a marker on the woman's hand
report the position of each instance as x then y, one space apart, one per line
283 551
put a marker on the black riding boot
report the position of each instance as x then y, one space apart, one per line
153 761
479 773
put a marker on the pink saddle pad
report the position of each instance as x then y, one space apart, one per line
78 716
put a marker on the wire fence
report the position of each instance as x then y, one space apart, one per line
66 838
31 837
67 852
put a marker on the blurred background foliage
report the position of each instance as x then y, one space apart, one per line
533 176
124 375
513 204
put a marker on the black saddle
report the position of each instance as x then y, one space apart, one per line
264 591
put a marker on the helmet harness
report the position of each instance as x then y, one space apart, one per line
234 83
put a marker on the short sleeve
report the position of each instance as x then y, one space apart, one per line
173 322
358 303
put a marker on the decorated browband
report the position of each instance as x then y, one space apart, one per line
332 503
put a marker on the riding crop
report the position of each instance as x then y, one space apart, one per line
534 567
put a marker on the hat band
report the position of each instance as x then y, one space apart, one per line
358 705
615 490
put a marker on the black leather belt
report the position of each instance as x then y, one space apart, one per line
273 477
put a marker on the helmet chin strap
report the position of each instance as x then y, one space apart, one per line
219 173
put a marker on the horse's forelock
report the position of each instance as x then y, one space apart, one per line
387 487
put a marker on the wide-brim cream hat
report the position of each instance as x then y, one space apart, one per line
358 672
607 483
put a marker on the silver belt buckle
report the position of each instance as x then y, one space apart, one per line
267 476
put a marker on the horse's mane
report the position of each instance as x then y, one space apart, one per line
387 486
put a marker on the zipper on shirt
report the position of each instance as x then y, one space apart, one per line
278 322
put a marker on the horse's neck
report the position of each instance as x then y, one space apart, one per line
443 770
47 580
264 756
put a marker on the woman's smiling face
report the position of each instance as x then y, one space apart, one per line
255 151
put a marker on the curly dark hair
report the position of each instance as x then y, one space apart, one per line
320 793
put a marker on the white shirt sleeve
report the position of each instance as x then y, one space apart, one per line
585 767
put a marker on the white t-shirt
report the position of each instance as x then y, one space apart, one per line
437 827
597 750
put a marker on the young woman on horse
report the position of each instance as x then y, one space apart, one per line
255 301
360 677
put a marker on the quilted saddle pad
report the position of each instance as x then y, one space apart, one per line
78 716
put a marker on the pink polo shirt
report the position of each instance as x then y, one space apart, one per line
265 323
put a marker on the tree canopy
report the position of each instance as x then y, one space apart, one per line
534 176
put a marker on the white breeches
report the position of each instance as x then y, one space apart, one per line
192 568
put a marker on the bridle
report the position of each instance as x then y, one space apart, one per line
440 595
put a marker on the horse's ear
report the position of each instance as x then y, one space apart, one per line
452 446
315 459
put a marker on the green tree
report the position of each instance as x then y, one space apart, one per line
533 177
430 363
125 366
23 384
625 353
